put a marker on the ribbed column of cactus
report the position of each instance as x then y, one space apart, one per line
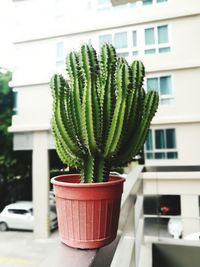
101 113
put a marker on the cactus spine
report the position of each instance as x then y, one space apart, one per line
101 113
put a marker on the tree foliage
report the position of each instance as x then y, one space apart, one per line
15 166
7 159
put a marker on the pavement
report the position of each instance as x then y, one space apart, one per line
20 249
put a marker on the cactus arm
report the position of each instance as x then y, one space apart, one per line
108 62
138 139
90 114
60 114
134 100
150 106
65 156
138 71
117 124
75 96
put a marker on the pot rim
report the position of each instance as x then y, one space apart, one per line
117 180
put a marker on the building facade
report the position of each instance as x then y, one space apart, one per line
164 34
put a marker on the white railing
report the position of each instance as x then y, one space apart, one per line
131 222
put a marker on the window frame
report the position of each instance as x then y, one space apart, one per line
156 46
138 51
154 2
133 51
161 150
168 97
15 102
59 60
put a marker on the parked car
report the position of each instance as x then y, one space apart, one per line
19 215
175 227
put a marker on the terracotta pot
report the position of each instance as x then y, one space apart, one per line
88 214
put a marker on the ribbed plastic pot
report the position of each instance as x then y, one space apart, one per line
88 214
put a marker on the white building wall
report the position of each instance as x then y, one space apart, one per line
36 59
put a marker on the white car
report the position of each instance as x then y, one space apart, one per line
175 227
19 215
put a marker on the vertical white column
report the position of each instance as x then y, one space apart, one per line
190 214
40 174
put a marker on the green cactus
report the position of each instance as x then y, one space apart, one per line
101 113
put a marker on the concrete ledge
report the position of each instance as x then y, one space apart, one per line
64 256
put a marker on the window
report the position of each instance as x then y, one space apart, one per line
147 2
150 2
120 40
160 1
126 43
163 85
161 144
15 97
60 54
103 6
135 43
106 38
156 40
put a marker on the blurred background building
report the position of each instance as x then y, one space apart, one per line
164 34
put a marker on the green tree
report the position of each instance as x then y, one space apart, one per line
15 167
7 159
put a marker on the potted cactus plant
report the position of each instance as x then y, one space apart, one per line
101 115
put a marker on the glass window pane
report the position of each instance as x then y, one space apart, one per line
165 85
160 139
15 96
149 142
120 40
150 51
152 84
134 38
171 138
164 50
165 101
149 36
135 53
123 54
60 49
172 155
163 34
159 155
149 155
103 2
60 63
160 1
107 38
147 2
132 5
